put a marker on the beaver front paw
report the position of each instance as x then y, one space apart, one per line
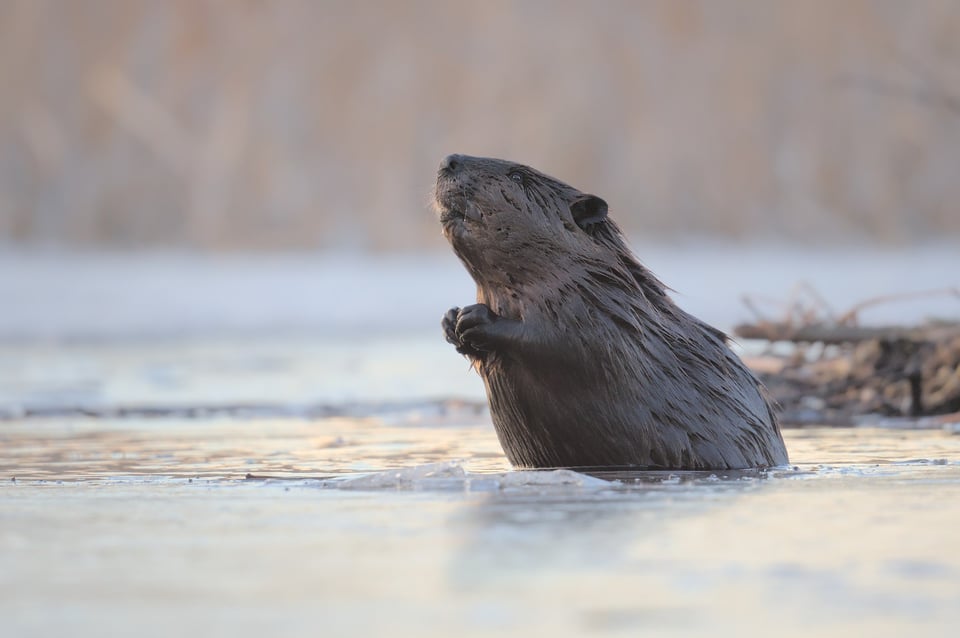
449 324
475 327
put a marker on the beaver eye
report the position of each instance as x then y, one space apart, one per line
517 177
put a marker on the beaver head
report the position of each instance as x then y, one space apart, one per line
504 219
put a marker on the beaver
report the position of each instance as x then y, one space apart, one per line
587 362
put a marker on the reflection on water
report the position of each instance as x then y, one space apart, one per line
420 442
367 502
412 524
153 449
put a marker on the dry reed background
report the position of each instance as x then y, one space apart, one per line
301 125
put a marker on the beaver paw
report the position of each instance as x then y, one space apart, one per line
449 324
469 329
474 325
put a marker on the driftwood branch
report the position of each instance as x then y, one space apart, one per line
819 333
868 373
839 334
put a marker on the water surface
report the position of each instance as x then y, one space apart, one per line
270 449
412 523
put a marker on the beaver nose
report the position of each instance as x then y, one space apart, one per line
451 163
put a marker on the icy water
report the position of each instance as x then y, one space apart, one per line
350 484
399 518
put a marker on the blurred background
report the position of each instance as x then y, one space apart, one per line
183 166
300 125
217 256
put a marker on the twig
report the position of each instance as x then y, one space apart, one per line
851 314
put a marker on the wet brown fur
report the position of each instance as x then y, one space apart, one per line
586 360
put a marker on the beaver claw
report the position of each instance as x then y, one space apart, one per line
449 325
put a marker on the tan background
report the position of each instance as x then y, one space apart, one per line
304 125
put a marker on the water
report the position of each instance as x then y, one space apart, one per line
151 526
350 484
403 518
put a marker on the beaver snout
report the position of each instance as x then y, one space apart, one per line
453 187
451 164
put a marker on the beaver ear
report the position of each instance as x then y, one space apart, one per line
588 210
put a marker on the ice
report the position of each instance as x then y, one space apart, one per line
60 295
551 478
451 475
434 474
